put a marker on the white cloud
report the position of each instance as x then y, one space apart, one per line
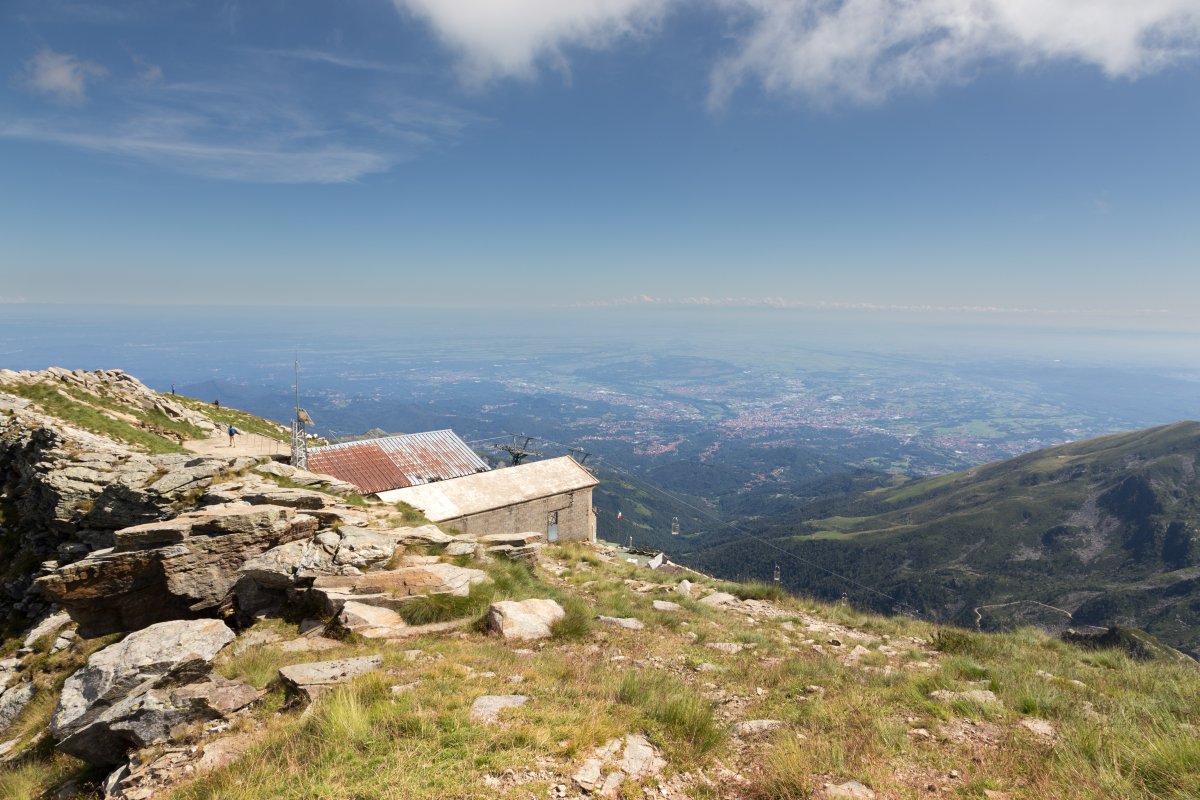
502 39
249 161
831 50
864 50
61 75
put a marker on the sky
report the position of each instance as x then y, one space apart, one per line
991 156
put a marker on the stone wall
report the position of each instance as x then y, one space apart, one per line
575 520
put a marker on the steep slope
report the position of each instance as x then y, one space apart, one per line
1103 529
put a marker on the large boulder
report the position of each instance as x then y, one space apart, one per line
132 693
182 568
524 619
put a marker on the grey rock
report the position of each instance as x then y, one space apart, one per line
487 709
756 727
425 534
666 605
640 759
719 600
63 641
312 680
371 622
152 713
13 701
125 670
587 777
8 670
850 790
460 548
524 619
982 696
390 588
141 582
629 623
304 478
47 626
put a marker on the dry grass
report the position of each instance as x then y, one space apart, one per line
592 683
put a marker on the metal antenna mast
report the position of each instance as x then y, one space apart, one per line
579 454
299 420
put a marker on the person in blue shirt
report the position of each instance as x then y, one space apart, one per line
232 433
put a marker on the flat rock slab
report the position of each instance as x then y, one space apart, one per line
524 619
850 790
1040 728
666 605
371 622
756 727
313 680
487 709
982 696
425 579
426 534
719 599
511 539
629 623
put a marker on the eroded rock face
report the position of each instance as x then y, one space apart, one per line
182 568
135 687
308 479
524 619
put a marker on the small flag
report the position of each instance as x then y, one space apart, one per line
618 516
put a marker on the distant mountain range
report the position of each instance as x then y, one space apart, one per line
1096 532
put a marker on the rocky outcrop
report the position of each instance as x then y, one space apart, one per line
137 691
66 490
311 480
524 619
392 588
181 568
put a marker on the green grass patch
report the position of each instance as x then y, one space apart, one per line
242 420
73 412
685 718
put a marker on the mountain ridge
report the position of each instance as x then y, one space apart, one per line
1091 527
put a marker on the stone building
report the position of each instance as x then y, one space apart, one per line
551 497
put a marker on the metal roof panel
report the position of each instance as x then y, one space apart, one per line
398 461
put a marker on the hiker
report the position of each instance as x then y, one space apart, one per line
217 404
232 433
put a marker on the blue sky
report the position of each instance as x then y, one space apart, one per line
1013 154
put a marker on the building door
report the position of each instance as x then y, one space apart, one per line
552 526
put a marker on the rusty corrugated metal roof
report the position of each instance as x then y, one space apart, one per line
393 462
360 463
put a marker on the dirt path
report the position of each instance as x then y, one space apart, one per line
245 444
